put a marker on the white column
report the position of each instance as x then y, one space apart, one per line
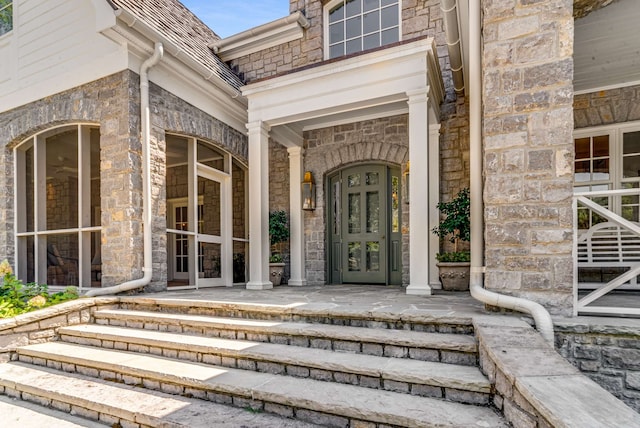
296 222
434 198
418 197
258 206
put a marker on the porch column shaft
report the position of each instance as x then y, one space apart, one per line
418 198
258 206
296 220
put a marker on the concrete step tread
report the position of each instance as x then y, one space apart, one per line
130 403
326 397
23 414
447 341
406 370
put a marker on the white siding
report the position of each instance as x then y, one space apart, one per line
54 46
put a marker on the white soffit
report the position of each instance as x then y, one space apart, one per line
366 85
607 47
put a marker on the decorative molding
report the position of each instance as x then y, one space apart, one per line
262 37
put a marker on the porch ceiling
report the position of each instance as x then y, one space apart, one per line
366 86
606 45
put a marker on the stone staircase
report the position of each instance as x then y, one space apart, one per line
192 363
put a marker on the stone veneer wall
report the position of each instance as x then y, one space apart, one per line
528 149
328 149
113 104
607 352
606 107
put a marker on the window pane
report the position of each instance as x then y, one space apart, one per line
336 33
371 5
395 205
29 177
210 156
94 138
631 142
390 16
583 171
354 7
210 260
631 166
239 261
388 2
354 46
372 178
373 256
601 146
371 22
354 213
62 180
353 180
209 193
371 41
29 242
373 212
336 50
62 259
601 169
355 256
6 20
390 36
583 148
337 13
354 27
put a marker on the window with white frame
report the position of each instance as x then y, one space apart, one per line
6 16
358 25
608 158
57 200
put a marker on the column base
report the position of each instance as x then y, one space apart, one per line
259 285
419 290
297 282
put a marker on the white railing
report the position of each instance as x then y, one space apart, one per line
614 243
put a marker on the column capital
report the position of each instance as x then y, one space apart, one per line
418 95
258 126
295 151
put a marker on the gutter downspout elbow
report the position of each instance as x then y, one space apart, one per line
146 183
542 319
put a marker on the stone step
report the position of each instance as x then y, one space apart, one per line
121 405
332 404
439 347
19 413
315 313
452 382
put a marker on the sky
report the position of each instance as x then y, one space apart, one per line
228 17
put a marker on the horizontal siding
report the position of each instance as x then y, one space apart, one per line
55 42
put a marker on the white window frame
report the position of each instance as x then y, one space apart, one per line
616 133
325 17
83 229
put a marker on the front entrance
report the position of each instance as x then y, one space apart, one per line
364 222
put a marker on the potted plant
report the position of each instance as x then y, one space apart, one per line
454 266
278 233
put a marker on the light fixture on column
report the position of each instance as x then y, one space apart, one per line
308 192
405 178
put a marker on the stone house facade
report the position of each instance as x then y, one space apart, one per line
391 106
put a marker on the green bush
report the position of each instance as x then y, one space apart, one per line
17 298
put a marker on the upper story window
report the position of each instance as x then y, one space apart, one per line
6 16
359 25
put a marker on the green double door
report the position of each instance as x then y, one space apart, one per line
364 222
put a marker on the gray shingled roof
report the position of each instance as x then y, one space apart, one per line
179 25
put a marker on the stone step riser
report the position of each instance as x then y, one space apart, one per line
448 356
203 393
317 373
449 326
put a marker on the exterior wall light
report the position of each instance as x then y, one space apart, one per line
308 192
405 178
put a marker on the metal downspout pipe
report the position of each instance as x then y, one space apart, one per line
146 183
454 44
541 317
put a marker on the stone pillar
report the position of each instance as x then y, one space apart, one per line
418 200
528 150
296 223
258 206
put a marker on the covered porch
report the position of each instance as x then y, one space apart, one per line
403 79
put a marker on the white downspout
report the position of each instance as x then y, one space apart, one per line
542 319
454 43
147 218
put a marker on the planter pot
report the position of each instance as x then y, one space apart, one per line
454 276
276 271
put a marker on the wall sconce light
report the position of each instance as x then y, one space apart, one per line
405 178
308 192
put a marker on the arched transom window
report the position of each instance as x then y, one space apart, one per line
358 25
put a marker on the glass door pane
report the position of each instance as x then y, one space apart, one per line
209 236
